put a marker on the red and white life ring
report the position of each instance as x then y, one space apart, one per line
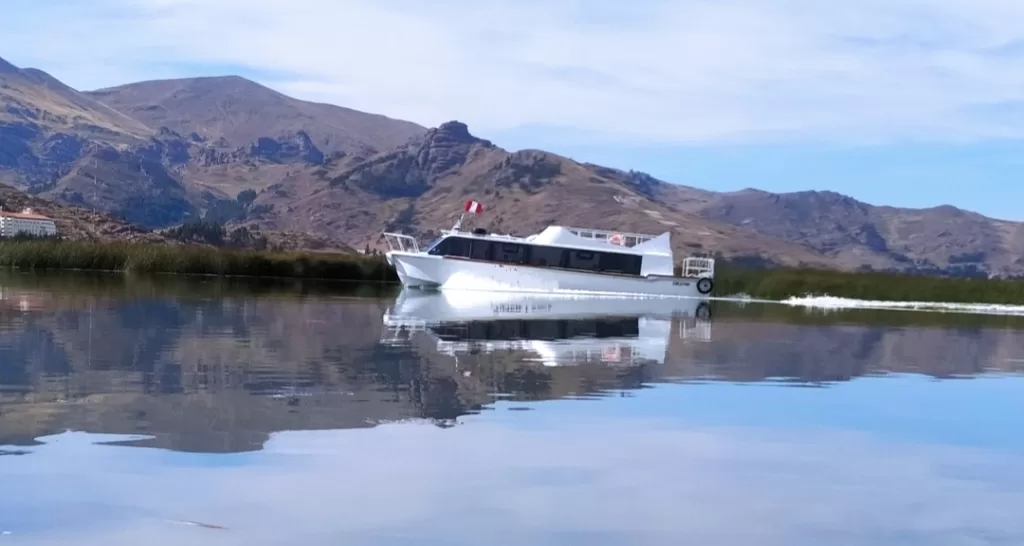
615 239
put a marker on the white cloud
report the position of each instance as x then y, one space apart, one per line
655 71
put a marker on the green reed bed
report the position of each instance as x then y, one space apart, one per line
191 260
777 284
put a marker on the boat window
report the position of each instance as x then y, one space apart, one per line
602 328
438 247
537 255
433 243
614 262
460 247
544 256
583 259
482 249
451 246
511 253
537 329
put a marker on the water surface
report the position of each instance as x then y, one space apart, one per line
176 411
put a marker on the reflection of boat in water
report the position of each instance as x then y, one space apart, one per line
559 329
23 300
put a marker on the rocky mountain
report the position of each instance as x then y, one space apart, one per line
62 145
231 112
420 188
226 149
36 101
67 146
859 235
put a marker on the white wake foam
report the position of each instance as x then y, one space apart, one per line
835 303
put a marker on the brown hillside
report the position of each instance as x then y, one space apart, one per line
421 187
35 101
60 144
856 234
77 223
240 111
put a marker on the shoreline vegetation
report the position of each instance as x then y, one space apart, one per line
150 259
189 259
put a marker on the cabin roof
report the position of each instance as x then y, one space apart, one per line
558 236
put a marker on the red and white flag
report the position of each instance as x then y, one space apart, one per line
474 207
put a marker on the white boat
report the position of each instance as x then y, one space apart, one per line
559 330
559 259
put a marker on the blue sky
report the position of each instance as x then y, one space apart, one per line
902 102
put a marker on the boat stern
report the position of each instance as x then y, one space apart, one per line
702 271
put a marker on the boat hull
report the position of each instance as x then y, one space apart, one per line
418 270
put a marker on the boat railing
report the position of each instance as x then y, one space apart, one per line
399 242
446 232
398 330
699 331
612 237
695 266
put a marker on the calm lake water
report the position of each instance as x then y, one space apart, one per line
185 412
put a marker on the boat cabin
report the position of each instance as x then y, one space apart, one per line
564 248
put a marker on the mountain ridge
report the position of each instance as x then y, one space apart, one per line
34 95
861 235
195 146
421 187
205 106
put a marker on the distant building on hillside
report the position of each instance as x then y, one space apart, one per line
26 222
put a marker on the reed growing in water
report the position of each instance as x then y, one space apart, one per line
775 283
191 260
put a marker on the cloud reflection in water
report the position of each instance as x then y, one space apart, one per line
564 474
